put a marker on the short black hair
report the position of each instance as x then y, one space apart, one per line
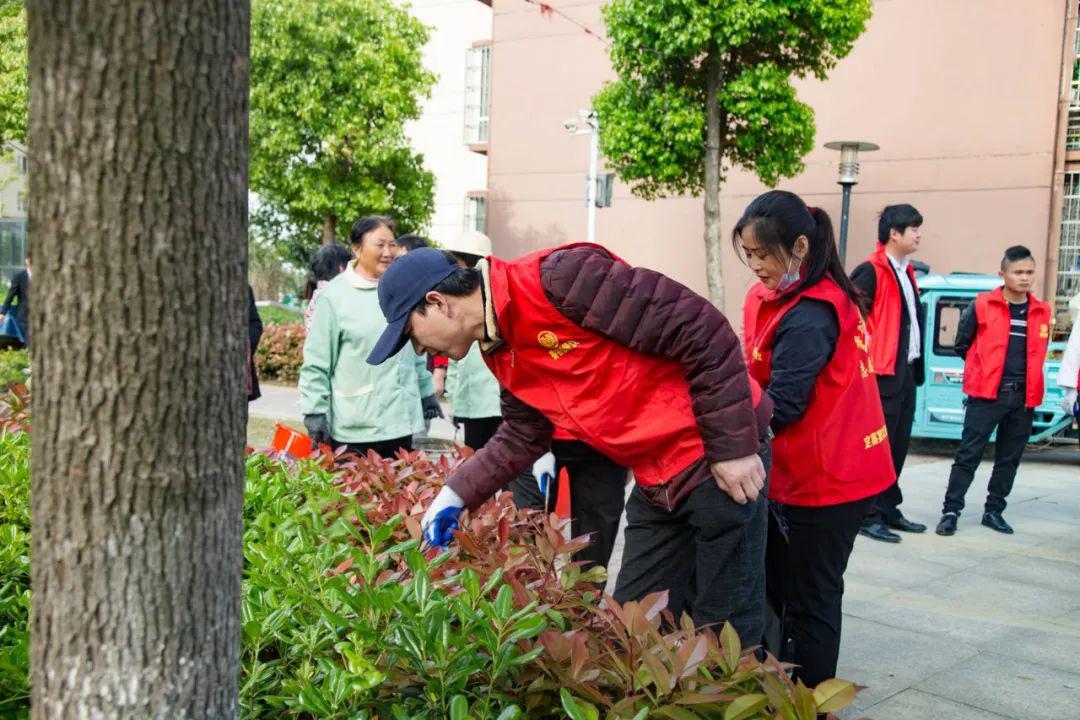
410 242
897 217
368 223
327 260
1016 252
459 283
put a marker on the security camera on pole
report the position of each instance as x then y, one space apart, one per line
588 121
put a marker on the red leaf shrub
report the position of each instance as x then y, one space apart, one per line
281 352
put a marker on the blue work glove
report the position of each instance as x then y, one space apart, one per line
431 407
544 472
441 518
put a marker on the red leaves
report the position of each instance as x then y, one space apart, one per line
281 351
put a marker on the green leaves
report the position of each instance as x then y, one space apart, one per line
13 71
652 119
333 83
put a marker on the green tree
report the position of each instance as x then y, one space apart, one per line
12 70
333 83
704 86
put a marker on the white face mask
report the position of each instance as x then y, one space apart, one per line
789 278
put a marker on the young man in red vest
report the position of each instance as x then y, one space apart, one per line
896 321
636 365
1002 337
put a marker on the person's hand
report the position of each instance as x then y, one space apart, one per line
431 408
1069 401
318 428
742 478
3 317
441 518
544 472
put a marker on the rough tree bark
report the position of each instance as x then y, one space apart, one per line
714 151
138 225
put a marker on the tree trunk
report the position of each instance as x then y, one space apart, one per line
329 224
138 226
714 152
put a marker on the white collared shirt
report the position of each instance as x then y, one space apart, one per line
914 341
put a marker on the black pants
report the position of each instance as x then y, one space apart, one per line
479 430
805 581
382 448
597 487
898 403
708 553
1012 418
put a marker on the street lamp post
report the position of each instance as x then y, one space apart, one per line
849 174
588 121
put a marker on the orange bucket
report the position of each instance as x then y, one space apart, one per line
292 442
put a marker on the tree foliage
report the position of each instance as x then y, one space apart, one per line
13 83
653 117
333 84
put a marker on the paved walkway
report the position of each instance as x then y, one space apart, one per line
979 626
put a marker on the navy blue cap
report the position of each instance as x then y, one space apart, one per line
402 286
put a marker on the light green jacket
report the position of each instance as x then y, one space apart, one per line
364 403
473 390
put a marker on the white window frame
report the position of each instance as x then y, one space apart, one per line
477 94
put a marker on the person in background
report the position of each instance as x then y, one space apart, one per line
1002 336
896 320
640 367
255 330
345 401
1068 377
327 262
597 485
17 324
408 243
806 344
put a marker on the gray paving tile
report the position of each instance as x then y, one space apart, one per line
1008 686
917 705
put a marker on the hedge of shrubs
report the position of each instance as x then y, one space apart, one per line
281 352
347 615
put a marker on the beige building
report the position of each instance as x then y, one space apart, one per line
969 101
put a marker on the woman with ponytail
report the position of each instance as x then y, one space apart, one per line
806 345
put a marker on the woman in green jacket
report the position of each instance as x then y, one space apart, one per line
345 400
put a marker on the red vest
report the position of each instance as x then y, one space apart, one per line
838 451
633 408
985 361
884 318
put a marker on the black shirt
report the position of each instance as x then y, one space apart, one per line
804 345
1016 354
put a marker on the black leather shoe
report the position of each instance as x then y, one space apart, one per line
994 521
947 526
904 525
878 531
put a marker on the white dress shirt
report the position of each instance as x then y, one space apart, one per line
914 341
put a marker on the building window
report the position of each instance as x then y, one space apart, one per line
477 94
476 213
20 162
20 203
1068 272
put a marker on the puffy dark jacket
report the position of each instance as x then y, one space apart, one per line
650 313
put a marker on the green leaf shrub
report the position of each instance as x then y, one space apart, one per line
281 352
346 614
14 367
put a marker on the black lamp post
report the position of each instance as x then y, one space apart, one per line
849 174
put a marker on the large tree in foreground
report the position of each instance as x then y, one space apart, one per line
138 213
705 86
333 83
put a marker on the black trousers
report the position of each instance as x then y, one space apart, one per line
382 448
898 403
479 430
1012 418
805 579
708 553
597 487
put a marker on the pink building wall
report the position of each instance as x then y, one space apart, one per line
960 95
